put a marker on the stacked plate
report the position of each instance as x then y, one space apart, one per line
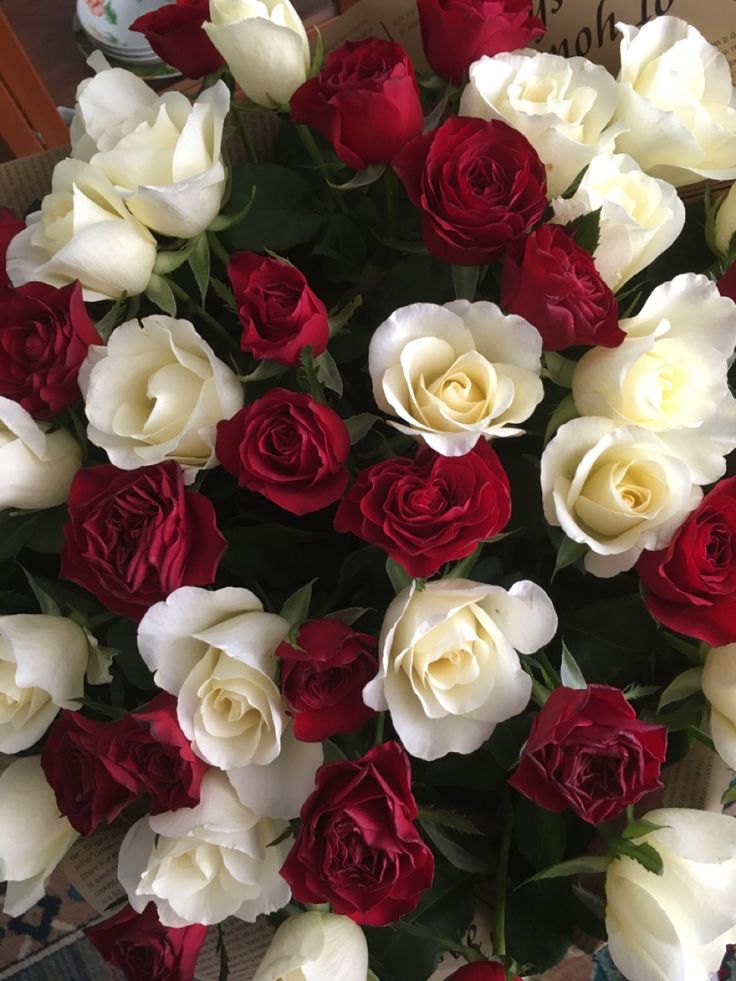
106 23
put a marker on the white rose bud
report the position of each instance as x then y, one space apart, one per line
34 837
719 687
202 864
37 465
617 490
449 671
640 216
675 926
564 107
676 103
265 46
83 231
455 373
43 660
725 224
316 946
214 650
670 374
156 392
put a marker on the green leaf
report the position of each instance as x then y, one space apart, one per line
568 553
399 245
572 676
342 317
644 854
360 425
586 230
564 412
114 316
102 708
465 281
463 568
371 976
328 373
46 604
539 835
448 819
640 828
332 752
296 609
224 293
455 854
222 222
281 213
221 949
585 865
318 55
264 370
199 263
730 795
399 578
349 615
363 178
540 920
574 185
560 370
169 260
684 685
632 692
288 832
159 293
433 118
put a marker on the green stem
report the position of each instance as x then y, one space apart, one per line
391 186
471 954
216 326
247 138
218 248
315 155
380 723
313 382
499 929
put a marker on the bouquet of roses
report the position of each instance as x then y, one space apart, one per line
368 551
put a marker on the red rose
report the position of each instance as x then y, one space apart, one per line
144 950
365 101
555 285
90 788
455 33
10 226
690 586
588 751
727 283
175 34
480 971
279 312
289 448
134 536
357 847
479 186
322 679
429 510
150 746
44 336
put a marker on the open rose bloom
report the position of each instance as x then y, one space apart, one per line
368 498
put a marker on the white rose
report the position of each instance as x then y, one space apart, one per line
564 107
163 156
202 864
316 946
449 669
83 231
156 392
265 46
719 687
676 103
725 223
640 216
34 837
43 660
670 374
37 465
619 491
456 372
675 926
214 650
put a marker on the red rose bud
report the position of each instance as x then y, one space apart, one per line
323 678
555 285
588 751
479 186
90 788
175 34
365 101
134 536
690 586
143 949
150 746
480 971
429 510
279 312
357 846
455 33
44 336
289 448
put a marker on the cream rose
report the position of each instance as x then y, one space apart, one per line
34 837
617 490
202 864
316 946
37 465
670 374
640 216
156 392
214 650
265 46
83 231
449 669
456 372
719 687
675 926
43 660
676 103
725 223
564 107
163 154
